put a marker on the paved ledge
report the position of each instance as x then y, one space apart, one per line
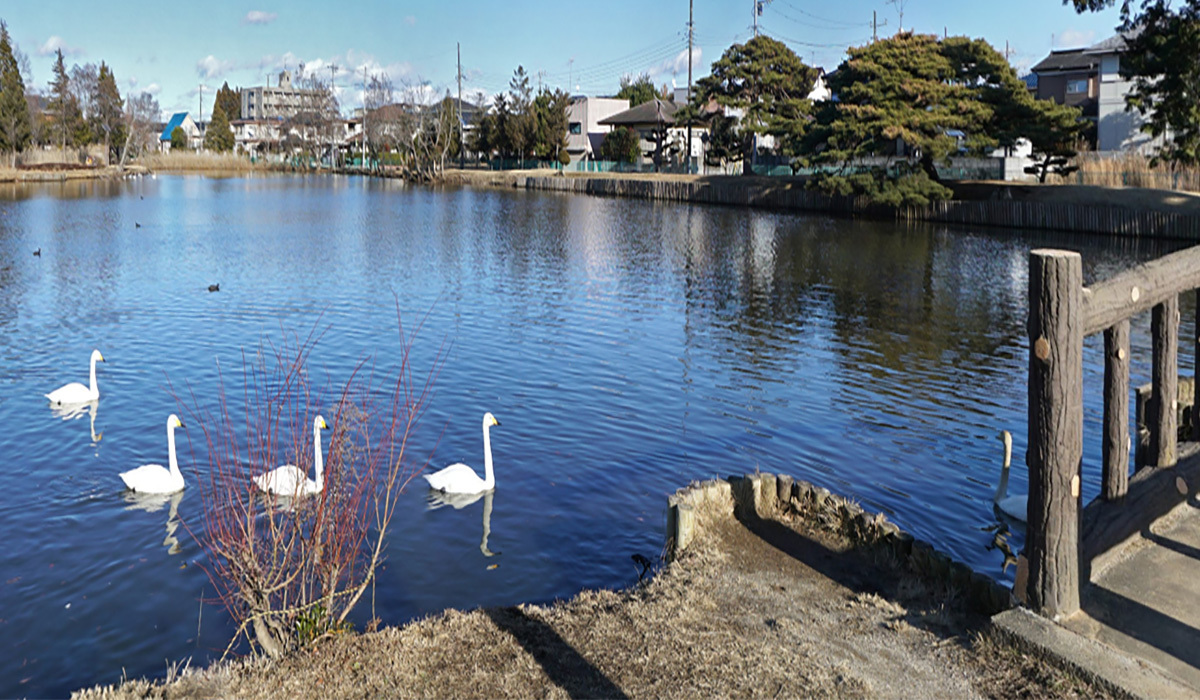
1096 662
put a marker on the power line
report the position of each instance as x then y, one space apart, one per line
819 18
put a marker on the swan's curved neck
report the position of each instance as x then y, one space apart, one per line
320 459
1002 487
92 378
171 460
489 478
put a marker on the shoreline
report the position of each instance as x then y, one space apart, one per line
1091 209
786 597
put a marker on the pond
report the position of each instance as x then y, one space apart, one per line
626 347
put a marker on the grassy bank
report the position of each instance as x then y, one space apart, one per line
1134 170
775 608
190 161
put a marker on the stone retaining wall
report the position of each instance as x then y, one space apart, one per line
767 496
793 195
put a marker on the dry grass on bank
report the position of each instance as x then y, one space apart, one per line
1134 170
192 161
800 615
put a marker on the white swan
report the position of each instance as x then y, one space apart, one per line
75 392
154 478
1015 507
290 480
459 478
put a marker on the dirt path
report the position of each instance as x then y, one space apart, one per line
765 609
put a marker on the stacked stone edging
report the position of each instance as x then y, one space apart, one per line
791 194
766 496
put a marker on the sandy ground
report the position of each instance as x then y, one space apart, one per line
762 609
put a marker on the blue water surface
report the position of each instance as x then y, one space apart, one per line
627 348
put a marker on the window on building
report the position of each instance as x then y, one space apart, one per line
1077 87
575 127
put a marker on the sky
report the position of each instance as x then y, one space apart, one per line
181 53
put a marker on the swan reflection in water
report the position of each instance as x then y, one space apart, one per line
76 411
154 502
458 501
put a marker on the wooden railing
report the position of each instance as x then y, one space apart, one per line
1062 537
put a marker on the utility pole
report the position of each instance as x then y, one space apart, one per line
691 31
462 141
570 74
874 27
200 95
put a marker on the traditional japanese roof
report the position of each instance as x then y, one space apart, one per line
176 120
1067 60
654 112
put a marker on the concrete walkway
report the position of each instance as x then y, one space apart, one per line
1147 603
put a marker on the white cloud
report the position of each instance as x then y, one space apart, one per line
679 64
259 17
153 88
1072 39
55 43
211 67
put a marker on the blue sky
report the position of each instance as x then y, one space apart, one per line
172 49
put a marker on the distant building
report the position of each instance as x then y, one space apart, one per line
184 121
584 133
1090 78
280 102
1071 77
663 141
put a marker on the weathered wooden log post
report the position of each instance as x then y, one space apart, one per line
1055 429
1164 421
1116 411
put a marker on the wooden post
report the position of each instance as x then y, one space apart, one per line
1055 429
1164 332
1116 411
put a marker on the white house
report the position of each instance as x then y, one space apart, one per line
184 121
1116 128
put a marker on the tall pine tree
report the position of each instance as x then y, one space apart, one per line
15 128
109 117
60 104
230 101
218 137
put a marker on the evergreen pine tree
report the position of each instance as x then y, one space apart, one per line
60 99
230 101
15 127
218 137
179 139
109 119
768 82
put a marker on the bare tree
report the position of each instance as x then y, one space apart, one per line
141 115
84 87
316 125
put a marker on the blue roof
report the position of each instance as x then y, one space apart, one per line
176 120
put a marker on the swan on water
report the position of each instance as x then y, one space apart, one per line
1015 507
459 478
154 478
290 480
75 392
